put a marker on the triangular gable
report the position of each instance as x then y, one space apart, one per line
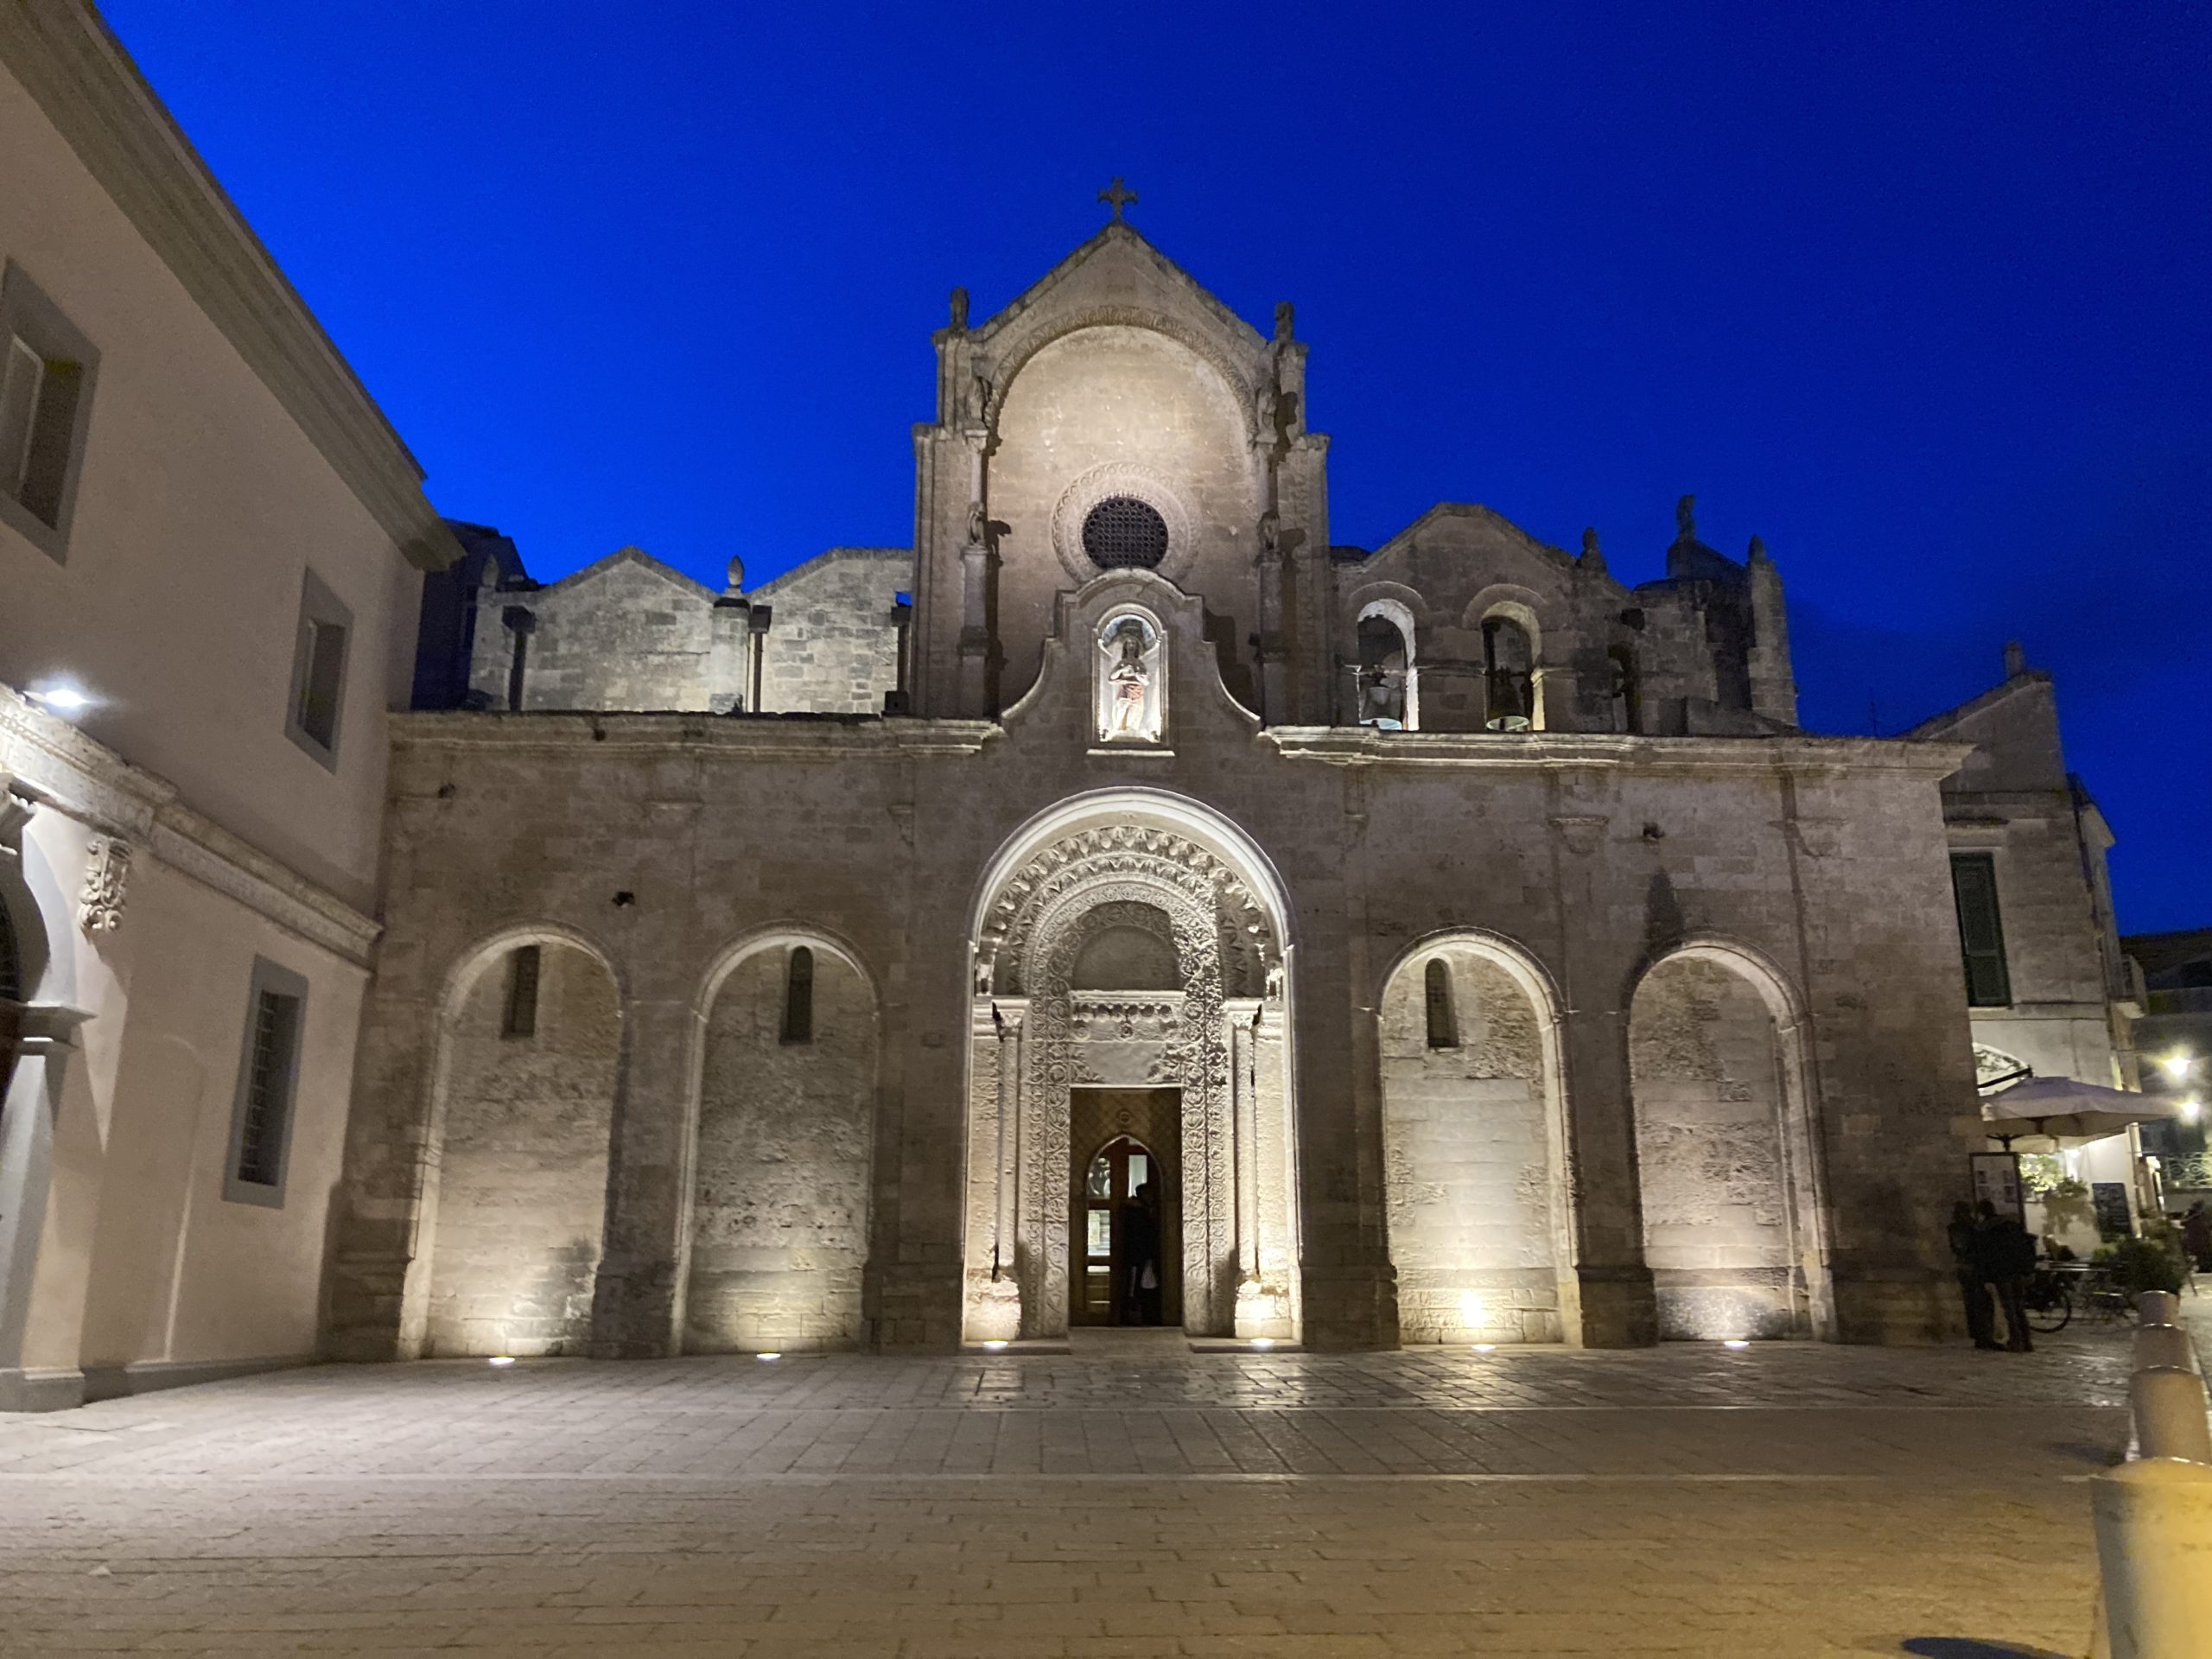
635 558
1119 245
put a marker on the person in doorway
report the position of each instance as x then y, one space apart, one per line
1973 1284
2197 1236
1141 1253
2009 1258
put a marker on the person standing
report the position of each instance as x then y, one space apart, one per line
1141 1253
1973 1283
2009 1257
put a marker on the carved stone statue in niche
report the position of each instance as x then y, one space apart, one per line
1131 686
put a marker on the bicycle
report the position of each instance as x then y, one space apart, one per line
2049 1300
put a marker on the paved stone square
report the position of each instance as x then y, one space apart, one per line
1787 1499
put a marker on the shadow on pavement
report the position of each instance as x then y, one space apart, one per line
1965 1647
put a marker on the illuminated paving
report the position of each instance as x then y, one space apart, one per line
1780 1501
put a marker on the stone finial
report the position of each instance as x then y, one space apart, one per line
1119 196
733 581
1686 519
1286 319
2016 659
959 310
1592 555
1757 553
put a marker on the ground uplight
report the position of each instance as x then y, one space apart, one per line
1735 1342
501 1359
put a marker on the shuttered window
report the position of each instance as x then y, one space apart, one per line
1982 933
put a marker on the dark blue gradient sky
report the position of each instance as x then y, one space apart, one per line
1919 294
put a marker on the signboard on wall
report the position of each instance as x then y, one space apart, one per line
1997 1182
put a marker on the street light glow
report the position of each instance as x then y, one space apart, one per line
61 697
2177 1064
2191 1110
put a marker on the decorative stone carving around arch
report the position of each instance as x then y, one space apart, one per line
1793 1294
1468 1295
1218 1037
1009 353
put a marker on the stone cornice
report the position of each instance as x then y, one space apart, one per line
1348 745
88 88
58 766
790 737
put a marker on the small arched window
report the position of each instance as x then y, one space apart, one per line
1627 694
1384 675
1508 674
798 996
1443 1024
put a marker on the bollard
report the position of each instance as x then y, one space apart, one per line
2157 1307
2154 1550
2163 1344
2169 1416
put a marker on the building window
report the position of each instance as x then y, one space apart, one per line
1122 532
1443 1024
1982 933
268 1078
1508 674
45 377
319 671
519 1017
798 996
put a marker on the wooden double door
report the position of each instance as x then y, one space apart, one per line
1126 1235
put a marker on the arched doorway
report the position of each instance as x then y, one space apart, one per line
1131 967
1727 1161
1128 1237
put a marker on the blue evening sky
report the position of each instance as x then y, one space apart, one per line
1918 293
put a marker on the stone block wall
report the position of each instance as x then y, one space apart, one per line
1467 1161
521 1181
832 648
779 1223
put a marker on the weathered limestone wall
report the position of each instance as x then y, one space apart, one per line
1467 1164
1119 410
522 1179
629 632
786 1136
832 648
1707 1094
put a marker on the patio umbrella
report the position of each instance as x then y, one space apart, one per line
2065 1109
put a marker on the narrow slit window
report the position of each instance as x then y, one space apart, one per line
1981 931
319 671
1443 1024
520 1017
798 996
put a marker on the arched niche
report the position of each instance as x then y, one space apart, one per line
783 1147
515 1214
1475 1150
1387 694
1726 1154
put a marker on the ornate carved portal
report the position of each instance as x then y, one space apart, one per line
1039 1033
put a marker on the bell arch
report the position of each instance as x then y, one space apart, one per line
779 1147
512 1214
1729 1176
1072 878
1478 1157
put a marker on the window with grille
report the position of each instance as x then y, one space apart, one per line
45 389
1981 931
1123 533
1443 1023
798 996
261 1129
519 1017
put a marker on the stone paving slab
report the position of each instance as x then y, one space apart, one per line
1782 1501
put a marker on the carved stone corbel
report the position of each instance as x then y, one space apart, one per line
107 877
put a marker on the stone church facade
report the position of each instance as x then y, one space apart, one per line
1468 947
